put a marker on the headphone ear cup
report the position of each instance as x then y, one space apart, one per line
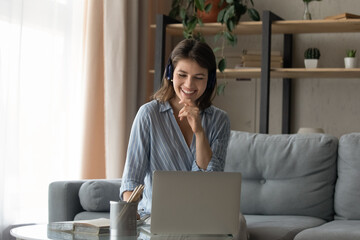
169 71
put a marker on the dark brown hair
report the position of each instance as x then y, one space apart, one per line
204 56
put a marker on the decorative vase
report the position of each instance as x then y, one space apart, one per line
307 14
350 62
311 63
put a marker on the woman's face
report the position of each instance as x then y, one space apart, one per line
190 80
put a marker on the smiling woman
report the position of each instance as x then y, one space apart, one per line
195 51
189 80
179 130
40 105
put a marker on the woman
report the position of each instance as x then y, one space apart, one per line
179 129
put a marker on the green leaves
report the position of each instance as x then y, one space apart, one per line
222 64
208 7
200 5
220 90
183 13
351 53
231 38
231 14
189 24
254 14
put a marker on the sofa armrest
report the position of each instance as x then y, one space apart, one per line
64 202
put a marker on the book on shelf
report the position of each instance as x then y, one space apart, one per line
93 226
343 16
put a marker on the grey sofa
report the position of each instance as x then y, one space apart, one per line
299 186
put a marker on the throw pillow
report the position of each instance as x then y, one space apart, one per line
95 195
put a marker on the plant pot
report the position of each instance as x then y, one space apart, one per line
212 15
350 62
311 63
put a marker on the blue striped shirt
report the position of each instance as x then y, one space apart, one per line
157 143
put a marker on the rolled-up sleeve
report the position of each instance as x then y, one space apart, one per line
137 159
218 139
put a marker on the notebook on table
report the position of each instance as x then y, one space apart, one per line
195 203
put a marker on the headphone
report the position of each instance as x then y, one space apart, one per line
169 71
169 74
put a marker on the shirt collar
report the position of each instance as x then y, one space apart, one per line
165 106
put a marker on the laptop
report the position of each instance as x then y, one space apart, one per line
195 203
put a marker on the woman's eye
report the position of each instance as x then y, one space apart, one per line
182 75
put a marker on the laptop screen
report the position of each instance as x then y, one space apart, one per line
195 202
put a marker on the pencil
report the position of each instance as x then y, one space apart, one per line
134 197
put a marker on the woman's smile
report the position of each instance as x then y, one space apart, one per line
190 80
188 92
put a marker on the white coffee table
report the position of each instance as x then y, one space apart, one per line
41 232
30 232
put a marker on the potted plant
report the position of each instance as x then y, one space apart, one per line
307 14
188 12
350 60
311 56
210 13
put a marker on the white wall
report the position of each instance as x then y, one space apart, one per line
331 104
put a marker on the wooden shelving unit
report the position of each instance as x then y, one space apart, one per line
278 27
271 24
284 27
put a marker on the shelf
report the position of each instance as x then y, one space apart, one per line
214 28
290 26
291 73
316 26
315 73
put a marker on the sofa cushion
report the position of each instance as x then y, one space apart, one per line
347 192
279 227
95 195
285 174
335 230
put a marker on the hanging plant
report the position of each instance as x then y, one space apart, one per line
230 16
187 11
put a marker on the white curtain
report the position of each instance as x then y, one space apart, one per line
41 103
125 47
